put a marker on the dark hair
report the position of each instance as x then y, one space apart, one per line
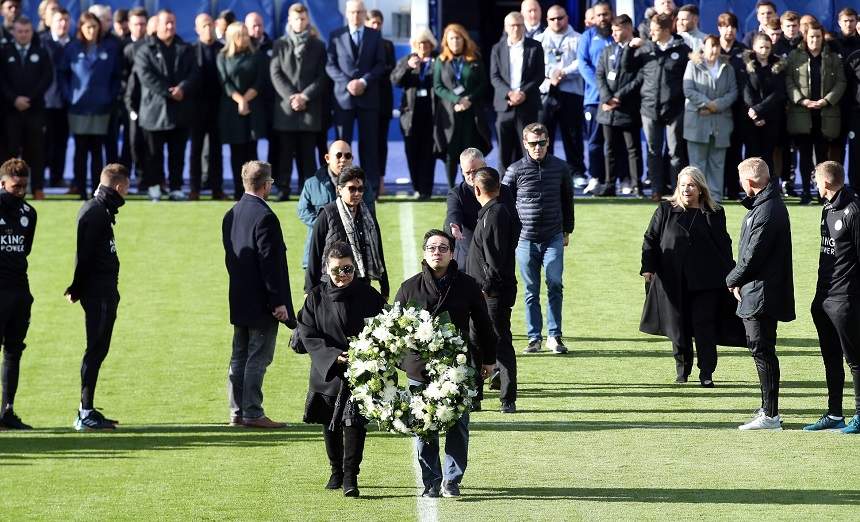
14 168
228 16
535 128
374 13
115 173
350 173
727 20
441 233
23 20
92 19
339 250
813 26
120 16
663 21
622 19
138 11
690 8
607 3
488 179
63 11
848 11
714 39
762 3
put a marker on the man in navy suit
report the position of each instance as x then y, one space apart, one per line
259 295
516 72
356 62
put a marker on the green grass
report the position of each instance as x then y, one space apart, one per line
602 433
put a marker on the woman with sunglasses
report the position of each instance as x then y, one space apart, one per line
333 312
348 219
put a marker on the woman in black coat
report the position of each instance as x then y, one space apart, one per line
414 74
763 92
348 219
333 312
686 256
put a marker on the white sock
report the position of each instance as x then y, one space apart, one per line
834 417
85 413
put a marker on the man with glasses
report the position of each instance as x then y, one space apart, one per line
463 207
543 192
562 88
319 190
256 259
441 288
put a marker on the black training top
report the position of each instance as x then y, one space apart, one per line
17 228
96 262
838 272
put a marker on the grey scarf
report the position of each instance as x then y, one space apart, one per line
372 267
299 42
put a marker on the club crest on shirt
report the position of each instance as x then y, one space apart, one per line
34 58
838 225
25 221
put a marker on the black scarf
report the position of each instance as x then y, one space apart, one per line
111 199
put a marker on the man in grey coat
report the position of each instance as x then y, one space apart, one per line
762 282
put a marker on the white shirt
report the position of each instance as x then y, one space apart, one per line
62 40
516 58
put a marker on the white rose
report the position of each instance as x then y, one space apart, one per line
461 359
382 334
425 332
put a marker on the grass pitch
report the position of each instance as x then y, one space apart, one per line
602 433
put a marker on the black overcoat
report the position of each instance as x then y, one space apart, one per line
695 259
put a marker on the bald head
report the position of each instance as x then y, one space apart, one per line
531 12
339 157
754 175
254 24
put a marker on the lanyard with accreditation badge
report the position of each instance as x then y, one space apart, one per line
423 92
458 74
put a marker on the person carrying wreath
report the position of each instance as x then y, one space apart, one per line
441 288
686 256
333 312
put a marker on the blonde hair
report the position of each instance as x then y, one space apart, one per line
755 169
423 35
234 30
705 198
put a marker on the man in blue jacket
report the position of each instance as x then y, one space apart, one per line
588 52
356 62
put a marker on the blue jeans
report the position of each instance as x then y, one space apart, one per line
456 455
531 257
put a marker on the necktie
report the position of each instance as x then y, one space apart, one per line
23 52
357 38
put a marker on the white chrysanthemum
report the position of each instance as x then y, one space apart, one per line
425 332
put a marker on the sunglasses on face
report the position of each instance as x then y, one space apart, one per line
539 143
354 189
346 155
557 18
442 249
342 270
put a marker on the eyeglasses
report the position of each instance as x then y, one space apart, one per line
557 18
539 143
342 270
353 189
470 172
346 155
442 249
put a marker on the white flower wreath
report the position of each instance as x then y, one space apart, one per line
377 352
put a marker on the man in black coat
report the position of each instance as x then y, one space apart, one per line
17 228
168 78
356 63
256 259
834 308
439 288
491 261
463 207
762 282
516 72
55 39
386 91
95 285
27 72
132 133
204 126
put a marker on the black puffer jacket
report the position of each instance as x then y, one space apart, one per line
661 75
764 89
763 271
543 192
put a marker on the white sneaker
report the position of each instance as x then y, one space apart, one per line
626 189
154 193
579 181
592 184
177 195
556 345
763 422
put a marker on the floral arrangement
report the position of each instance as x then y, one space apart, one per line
375 355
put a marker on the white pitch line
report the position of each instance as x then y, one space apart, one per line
427 507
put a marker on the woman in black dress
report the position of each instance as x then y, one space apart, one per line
333 312
686 256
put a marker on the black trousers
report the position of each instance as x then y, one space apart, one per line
111 143
619 140
175 140
760 142
298 147
99 318
15 308
699 315
419 156
206 150
506 360
368 139
241 153
568 120
137 148
25 138
56 143
807 144
345 450
838 324
734 154
509 130
384 125
88 147
761 341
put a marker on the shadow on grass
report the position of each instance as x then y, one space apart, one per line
724 351
680 391
744 412
811 497
795 342
538 386
591 425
